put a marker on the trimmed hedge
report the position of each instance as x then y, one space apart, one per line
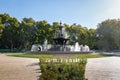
62 70
12 50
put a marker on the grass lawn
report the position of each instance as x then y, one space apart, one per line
30 55
88 56
52 55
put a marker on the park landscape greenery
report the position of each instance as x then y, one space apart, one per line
22 34
53 68
62 70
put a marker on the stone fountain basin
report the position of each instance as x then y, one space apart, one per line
63 52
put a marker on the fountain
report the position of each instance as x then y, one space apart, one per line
45 45
60 40
36 47
60 44
77 47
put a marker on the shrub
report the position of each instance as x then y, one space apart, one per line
62 70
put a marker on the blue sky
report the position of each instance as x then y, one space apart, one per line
88 13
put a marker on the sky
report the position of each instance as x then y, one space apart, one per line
87 13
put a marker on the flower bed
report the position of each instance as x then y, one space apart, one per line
62 69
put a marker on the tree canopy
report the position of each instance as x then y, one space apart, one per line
21 35
108 32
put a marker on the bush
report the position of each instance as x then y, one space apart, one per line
12 50
62 70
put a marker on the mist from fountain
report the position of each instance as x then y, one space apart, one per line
73 48
76 47
45 45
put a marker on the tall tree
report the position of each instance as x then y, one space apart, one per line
92 39
10 32
109 34
28 32
44 31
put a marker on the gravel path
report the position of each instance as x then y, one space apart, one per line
103 69
14 68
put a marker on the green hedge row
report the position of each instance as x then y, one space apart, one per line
12 50
62 70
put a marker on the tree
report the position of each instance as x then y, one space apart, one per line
44 31
109 34
92 39
1 27
10 33
21 35
28 32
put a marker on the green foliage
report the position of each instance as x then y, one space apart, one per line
109 35
45 56
88 56
11 50
28 32
10 32
44 31
21 35
62 70
41 56
80 34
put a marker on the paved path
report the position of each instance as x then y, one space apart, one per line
14 68
103 69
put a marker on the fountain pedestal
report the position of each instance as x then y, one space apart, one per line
60 41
